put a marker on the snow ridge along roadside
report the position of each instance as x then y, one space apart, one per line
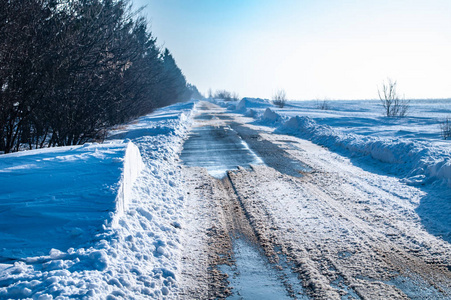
419 160
133 165
416 161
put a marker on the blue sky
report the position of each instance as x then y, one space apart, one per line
312 49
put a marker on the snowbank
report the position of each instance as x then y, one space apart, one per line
56 197
134 259
133 165
244 105
230 105
270 117
249 103
419 160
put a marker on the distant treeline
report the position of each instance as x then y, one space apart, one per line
71 69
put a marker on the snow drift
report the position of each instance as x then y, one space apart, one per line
57 197
249 103
270 117
131 248
133 165
417 159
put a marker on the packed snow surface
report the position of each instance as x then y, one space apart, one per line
99 220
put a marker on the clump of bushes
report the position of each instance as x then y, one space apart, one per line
279 98
224 95
393 105
445 128
323 105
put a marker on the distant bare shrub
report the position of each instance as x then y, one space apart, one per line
225 95
445 127
393 105
323 105
280 98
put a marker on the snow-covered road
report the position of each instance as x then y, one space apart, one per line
328 228
195 201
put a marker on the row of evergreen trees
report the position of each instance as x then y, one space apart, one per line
71 69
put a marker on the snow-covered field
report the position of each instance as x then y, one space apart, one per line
409 147
99 220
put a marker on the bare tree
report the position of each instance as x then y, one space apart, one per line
445 127
323 105
280 98
226 95
394 106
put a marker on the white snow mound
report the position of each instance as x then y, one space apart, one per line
416 158
271 117
133 165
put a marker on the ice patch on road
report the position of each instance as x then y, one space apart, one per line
251 277
414 287
218 149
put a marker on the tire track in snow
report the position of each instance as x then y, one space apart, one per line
331 244
215 221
